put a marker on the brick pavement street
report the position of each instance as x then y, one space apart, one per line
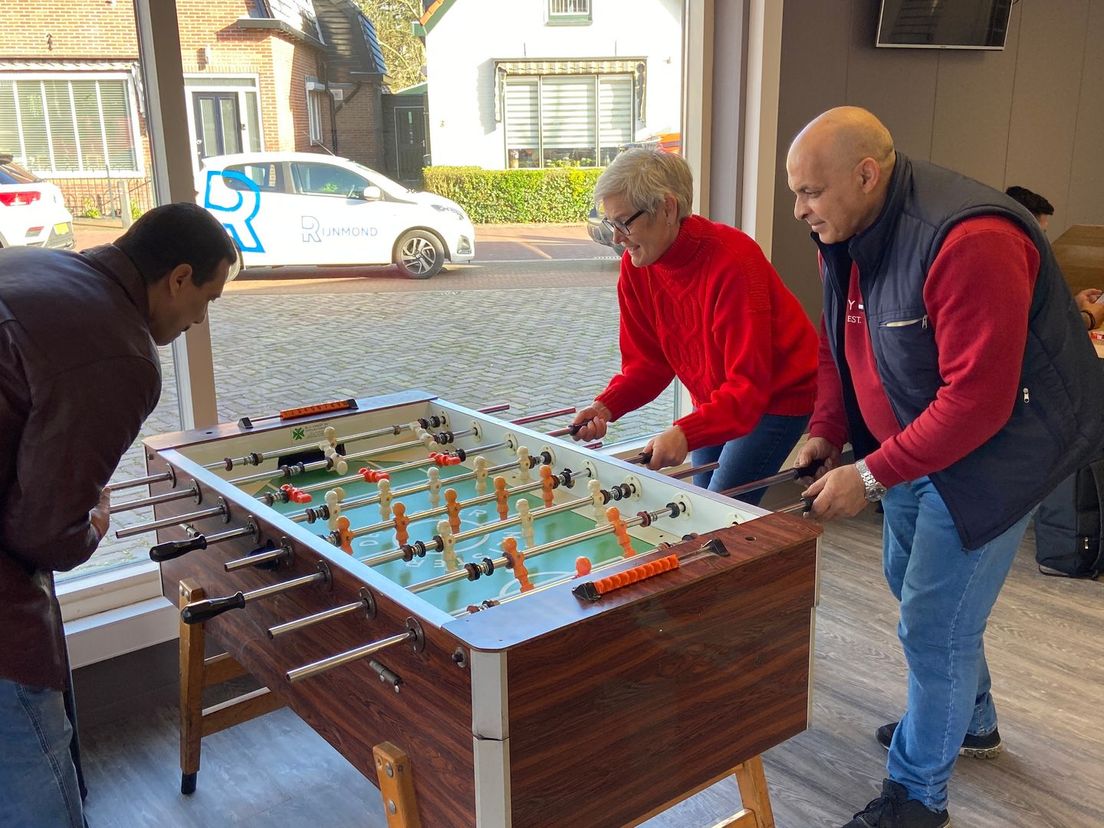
474 336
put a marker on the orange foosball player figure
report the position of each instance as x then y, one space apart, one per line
401 524
620 530
515 560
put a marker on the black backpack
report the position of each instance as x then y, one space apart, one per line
1068 539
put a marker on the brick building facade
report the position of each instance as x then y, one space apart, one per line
259 75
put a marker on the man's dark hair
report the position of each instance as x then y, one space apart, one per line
176 234
1035 203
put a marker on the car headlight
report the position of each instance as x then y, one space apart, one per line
448 208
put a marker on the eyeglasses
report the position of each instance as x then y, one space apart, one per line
622 227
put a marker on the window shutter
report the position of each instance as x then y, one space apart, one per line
615 116
63 137
115 105
522 121
568 119
32 118
9 128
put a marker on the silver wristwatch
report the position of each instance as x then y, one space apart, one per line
875 491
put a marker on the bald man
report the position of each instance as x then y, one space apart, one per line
954 362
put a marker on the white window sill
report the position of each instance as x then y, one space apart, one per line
119 631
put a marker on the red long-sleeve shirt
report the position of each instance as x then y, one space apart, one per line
977 295
713 312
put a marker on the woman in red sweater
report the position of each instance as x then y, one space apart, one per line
700 301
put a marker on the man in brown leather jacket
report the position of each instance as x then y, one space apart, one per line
79 373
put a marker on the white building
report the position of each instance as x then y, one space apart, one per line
534 83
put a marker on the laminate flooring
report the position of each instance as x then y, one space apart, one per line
1045 645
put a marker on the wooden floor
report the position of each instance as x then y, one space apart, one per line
1045 646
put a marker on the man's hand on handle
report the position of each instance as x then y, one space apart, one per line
837 491
100 516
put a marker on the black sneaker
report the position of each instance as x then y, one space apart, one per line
976 747
893 809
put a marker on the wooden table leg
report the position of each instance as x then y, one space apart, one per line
191 690
396 784
756 811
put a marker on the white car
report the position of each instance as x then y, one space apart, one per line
300 208
32 211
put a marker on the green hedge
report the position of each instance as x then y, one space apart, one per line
561 195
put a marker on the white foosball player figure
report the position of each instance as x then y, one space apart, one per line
333 505
384 492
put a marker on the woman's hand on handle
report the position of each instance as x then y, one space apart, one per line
590 423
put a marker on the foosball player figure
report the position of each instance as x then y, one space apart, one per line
515 560
448 546
620 530
401 523
501 498
452 508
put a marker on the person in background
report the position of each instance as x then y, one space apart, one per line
1035 204
79 373
700 301
1092 314
960 422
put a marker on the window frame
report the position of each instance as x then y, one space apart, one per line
568 18
242 84
596 113
130 96
124 599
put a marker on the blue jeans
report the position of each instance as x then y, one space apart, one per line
946 594
756 455
38 782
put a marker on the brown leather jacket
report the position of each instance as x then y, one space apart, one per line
79 374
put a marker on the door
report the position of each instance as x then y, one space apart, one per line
218 123
410 142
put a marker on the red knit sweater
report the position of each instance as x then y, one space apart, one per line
713 312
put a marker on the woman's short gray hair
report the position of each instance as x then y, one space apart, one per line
644 177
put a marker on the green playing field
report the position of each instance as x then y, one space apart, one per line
455 596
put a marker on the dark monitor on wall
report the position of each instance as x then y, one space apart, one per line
943 24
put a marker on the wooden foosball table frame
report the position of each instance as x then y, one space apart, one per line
548 710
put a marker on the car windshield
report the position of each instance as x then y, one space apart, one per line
11 173
390 187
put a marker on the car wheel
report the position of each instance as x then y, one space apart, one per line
419 254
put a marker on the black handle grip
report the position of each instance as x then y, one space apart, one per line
200 611
642 459
808 470
174 549
806 505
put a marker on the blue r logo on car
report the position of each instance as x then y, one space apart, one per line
247 240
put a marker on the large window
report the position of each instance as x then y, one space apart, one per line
567 120
70 126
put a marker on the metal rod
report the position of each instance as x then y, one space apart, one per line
251 459
253 560
141 481
307 620
166 497
283 586
547 415
690 472
494 409
229 534
461 574
308 670
441 510
173 521
781 477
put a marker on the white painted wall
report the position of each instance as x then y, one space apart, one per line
472 34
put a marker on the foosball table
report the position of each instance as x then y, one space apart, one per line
496 626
